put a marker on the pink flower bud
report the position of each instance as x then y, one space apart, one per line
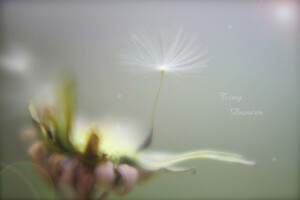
68 172
104 173
39 153
129 177
54 166
85 183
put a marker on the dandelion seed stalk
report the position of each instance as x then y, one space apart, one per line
148 139
156 98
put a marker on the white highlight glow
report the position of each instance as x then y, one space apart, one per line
284 13
163 68
117 136
15 61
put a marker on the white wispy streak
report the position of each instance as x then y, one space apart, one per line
175 51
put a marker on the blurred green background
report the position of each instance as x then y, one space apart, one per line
254 54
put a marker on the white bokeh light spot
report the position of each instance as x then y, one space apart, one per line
284 13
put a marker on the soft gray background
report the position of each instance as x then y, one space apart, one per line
249 59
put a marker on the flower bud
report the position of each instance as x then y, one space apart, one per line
39 154
85 183
54 165
128 179
68 170
104 173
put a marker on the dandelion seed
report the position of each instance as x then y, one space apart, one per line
166 51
